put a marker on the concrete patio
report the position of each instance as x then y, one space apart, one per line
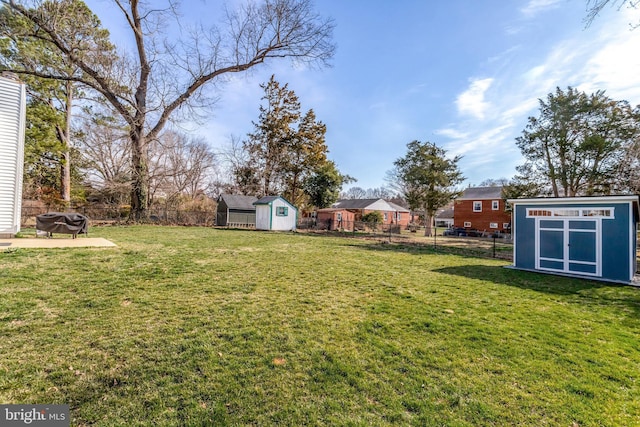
46 243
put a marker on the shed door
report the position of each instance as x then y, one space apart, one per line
569 246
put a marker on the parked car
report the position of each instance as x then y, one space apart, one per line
460 231
455 231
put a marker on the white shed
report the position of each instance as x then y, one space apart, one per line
12 126
275 213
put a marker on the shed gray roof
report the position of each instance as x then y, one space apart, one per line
481 193
238 201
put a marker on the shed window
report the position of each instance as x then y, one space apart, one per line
282 211
477 206
495 205
571 213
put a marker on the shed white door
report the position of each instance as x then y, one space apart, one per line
569 245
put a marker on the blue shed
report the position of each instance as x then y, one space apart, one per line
590 237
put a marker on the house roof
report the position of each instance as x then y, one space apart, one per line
332 210
481 193
370 204
445 214
238 201
398 208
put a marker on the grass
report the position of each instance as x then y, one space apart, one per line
198 326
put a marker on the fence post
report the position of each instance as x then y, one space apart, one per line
435 238
494 245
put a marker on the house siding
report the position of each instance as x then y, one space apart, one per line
463 212
12 124
405 217
330 218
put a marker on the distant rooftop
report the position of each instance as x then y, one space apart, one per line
481 193
239 201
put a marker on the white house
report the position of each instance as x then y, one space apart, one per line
275 213
12 126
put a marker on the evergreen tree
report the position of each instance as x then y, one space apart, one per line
426 178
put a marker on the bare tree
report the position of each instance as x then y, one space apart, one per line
180 167
594 7
354 193
105 150
165 76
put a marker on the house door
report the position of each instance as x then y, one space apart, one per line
569 245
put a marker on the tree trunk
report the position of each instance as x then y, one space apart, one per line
428 221
65 136
140 178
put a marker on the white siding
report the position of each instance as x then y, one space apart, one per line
263 216
267 218
12 122
283 223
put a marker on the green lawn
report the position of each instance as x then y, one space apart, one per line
198 326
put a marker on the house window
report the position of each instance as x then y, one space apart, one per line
467 224
339 216
495 205
477 206
282 211
399 215
493 225
506 225
385 217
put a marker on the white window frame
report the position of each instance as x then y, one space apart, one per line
385 216
493 225
495 205
480 205
506 225
467 224
572 212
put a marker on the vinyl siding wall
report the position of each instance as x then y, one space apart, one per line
12 122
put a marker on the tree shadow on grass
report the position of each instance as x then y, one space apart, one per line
584 291
421 248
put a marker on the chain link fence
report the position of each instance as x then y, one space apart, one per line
483 244
114 215
486 244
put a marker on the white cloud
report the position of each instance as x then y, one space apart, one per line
472 101
452 133
534 7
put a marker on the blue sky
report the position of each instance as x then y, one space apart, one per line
462 74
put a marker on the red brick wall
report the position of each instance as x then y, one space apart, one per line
347 219
463 212
405 217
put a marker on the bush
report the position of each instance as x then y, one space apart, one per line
372 217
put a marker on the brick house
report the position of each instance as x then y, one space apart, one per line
483 209
391 213
335 219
